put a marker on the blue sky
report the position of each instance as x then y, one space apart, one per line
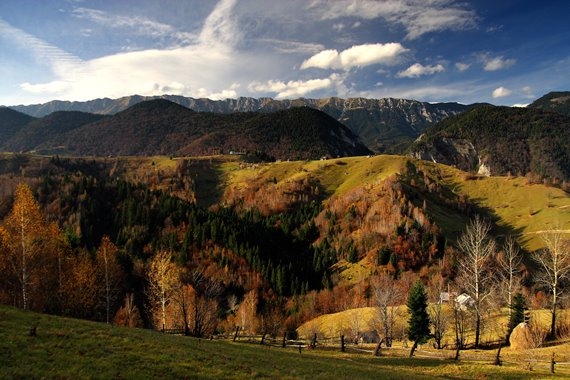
501 51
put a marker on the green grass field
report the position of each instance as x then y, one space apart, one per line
74 349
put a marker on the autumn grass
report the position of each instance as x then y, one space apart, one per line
526 207
73 349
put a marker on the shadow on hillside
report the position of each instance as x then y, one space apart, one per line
500 229
206 175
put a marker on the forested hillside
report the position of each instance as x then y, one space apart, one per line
516 141
261 246
384 125
165 128
554 101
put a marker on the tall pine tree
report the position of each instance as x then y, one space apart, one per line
418 324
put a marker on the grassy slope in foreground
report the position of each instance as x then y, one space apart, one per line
67 348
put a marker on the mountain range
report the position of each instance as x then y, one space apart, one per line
384 125
478 138
161 127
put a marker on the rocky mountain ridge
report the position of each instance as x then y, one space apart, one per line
384 125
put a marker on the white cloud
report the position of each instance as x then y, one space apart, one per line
285 46
496 63
58 60
501 92
418 17
210 67
356 56
461 66
54 87
294 88
139 25
528 93
417 69
220 28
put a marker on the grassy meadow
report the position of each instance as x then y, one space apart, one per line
74 349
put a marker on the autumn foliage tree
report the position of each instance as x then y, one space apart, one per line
23 237
163 279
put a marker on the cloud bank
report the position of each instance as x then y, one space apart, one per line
356 56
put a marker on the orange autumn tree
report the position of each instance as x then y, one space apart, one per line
23 236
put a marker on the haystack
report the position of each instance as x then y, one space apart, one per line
521 337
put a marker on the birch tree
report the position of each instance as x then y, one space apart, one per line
478 249
109 272
22 236
554 261
509 262
386 298
163 279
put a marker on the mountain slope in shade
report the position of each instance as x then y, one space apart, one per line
501 140
384 125
554 101
11 122
160 127
52 126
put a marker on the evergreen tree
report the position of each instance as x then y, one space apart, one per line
418 324
518 308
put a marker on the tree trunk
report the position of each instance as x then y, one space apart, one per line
477 329
415 345
236 333
552 335
378 348
498 357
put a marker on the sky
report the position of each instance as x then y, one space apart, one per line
504 52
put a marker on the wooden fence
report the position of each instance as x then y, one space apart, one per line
397 349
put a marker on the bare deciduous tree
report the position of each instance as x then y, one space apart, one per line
509 261
386 297
204 303
109 272
438 314
476 278
554 261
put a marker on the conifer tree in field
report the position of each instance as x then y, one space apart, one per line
518 307
419 323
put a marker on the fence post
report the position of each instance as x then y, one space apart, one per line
236 333
284 339
342 343
498 357
552 362
314 341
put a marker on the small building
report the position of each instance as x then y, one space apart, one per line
447 297
464 301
